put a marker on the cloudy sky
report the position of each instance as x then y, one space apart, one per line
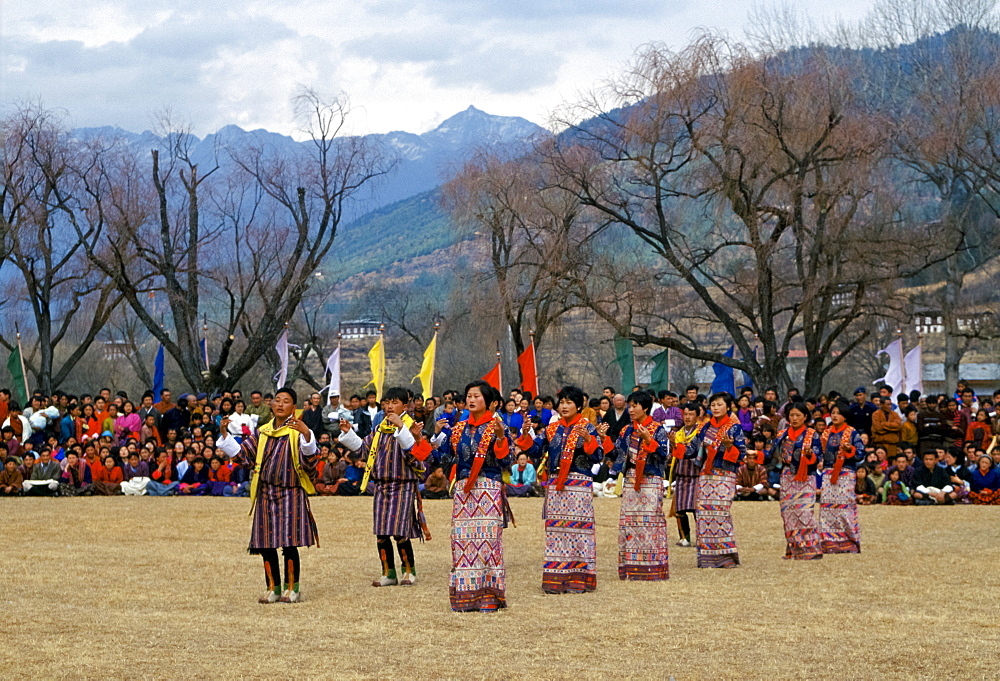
405 64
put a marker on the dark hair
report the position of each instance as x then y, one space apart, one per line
371 392
724 396
691 387
288 391
573 394
800 407
397 393
490 394
841 406
198 459
900 454
10 459
691 406
641 398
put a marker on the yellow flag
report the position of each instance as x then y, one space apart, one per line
376 358
426 374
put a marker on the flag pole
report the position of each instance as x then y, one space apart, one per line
902 361
24 372
499 371
204 337
534 360
430 387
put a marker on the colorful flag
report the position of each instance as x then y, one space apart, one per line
158 373
493 377
18 378
626 360
203 345
376 359
529 370
333 368
282 350
426 374
725 377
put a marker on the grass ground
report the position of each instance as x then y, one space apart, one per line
129 587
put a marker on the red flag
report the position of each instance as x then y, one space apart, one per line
493 377
529 372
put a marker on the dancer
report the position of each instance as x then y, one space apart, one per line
685 473
643 451
283 458
396 454
800 451
843 452
719 448
572 447
481 449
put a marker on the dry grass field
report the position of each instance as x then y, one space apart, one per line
130 587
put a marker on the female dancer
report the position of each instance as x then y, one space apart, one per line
800 451
481 449
719 448
643 451
572 447
283 457
843 452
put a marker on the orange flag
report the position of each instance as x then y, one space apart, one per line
493 377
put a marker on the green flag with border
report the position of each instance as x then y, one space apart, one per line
659 378
16 369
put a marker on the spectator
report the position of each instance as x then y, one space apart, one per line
886 426
958 475
522 479
163 479
11 442
164 405
27 464
239 482
258 409
436 485
76 480
45 475
195 479
955 424
894 491
865 487
931 426
135 475
931 482
107 477
177 417
902 465
980 431
984 483
908 432
752 483
616 418
240 423
10 478
333 474
860 416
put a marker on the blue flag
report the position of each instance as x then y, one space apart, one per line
158 374
725 377
203 345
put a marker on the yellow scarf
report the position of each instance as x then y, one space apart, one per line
387 428
266 431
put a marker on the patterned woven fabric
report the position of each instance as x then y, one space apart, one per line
395 509
714 520
838 514
570 544
798 512
477 580
642 531
686 490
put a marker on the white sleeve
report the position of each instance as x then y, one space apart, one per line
307 447
922 489
228 444
438 439
405 438
351 440
948 489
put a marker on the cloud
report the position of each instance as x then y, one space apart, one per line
498 69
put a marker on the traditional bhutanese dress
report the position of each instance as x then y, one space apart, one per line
839 529
570 544
642 527
800 451
479 512
281 483
686 473
716 489
395 468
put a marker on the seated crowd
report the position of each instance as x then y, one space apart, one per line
922 450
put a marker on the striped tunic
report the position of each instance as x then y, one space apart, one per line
395 477
281 514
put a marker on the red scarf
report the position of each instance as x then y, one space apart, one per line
484 445
838 465
576 429
808 457
640 450
722 429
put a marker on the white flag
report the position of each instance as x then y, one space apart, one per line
333 368
894 376
282 349
914 364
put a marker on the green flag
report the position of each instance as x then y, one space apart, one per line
660 376
15 367
626 360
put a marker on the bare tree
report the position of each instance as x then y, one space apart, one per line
43 198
